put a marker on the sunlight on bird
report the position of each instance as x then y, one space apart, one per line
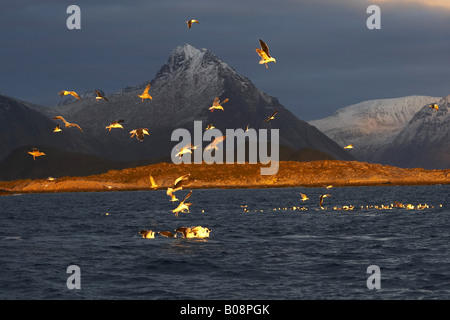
304 197
145 94
209 127
57 129
264 54
217 104
434 106
350 146
321 199
67 124
183 205
100 95
72 93
213 145
139 133
190 22
148 234
153 183
115 124
272 116
36 153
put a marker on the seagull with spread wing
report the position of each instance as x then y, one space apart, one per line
272 116
115 124
67 124
217 104
264 54
153 183
139 133
434 106
66 92
36 153
190 22
145 94
183 205
213 145
57 129
100 95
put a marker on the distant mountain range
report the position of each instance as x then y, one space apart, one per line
403 132
182 91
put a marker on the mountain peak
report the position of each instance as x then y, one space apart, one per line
188 51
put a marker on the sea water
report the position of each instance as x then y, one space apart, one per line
259 246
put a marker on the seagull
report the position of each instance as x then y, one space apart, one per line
167 234
148 234
170 192
183 206
179 181
350 146
272 116
194 232
321 199
213 145
57 129
36 153
100 95
264 54
304 197
210 126
217 104
190 22
186 149
72 93
67 124
153 183
434 106
246 129
139 133
115 124
145 94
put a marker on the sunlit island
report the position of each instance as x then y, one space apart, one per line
205 176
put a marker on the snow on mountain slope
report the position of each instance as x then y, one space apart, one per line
371 125
182 92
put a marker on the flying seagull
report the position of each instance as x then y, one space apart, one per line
217 104
183 205
264 54
36 153
304 197
272 116
434 106
100 95
145 94
210 126
139 133
213 145
321 198
186 149
72 93
148 234
67 124
57 129
350 146
115 124
153 183
190 22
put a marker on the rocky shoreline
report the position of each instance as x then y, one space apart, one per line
291 174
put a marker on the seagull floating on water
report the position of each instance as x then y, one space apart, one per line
139 133
264 54
217 104
194 232
67 124
148 234
66 92
167 234
145 94
190 22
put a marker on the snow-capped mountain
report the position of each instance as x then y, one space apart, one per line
371 126
182 92
424 142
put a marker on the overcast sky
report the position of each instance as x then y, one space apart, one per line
326 56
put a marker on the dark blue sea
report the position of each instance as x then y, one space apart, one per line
281 254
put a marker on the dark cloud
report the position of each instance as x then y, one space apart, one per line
326 57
